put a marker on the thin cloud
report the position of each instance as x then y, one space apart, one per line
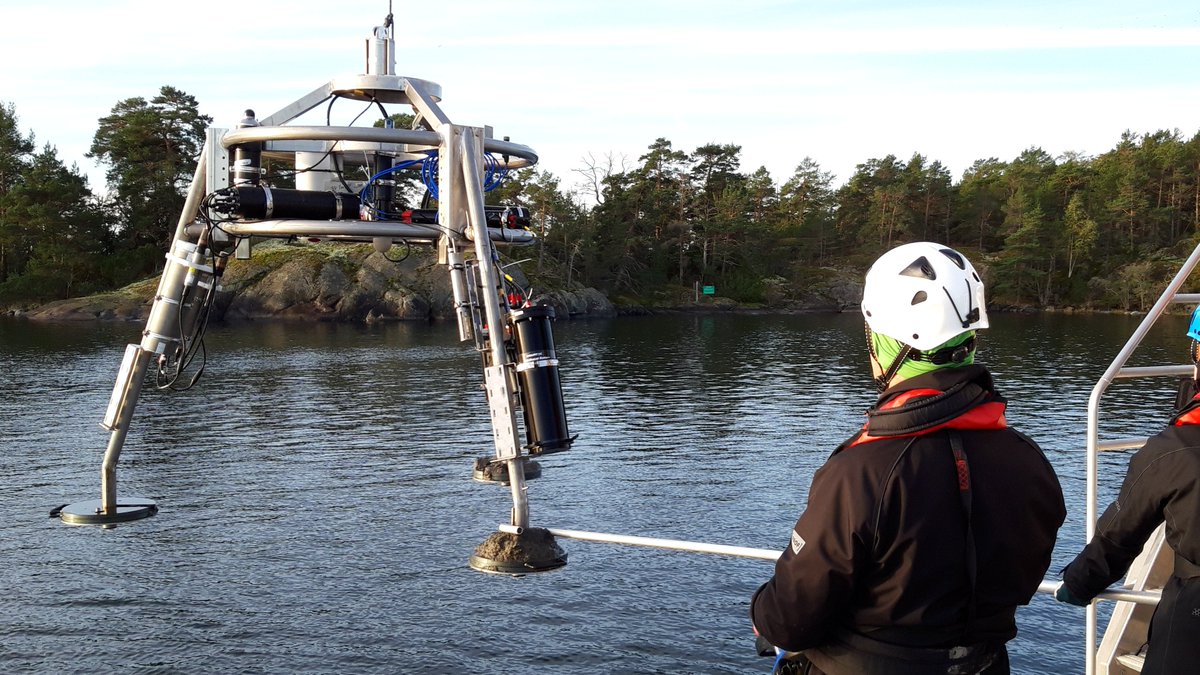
897 40
840 82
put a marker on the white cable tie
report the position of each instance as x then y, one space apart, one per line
188 263
536 363
160 337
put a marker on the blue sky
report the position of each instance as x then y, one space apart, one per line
840 82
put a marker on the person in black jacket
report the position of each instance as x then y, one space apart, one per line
928 527
1161 485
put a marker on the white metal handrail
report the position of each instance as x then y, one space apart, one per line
1047 586
1117 369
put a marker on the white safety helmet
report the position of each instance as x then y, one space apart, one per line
923 294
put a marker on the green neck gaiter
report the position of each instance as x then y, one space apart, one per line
887 349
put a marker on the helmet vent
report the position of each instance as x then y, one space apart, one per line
919 268
955 257
919 298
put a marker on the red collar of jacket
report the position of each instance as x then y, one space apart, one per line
969 402
1189 415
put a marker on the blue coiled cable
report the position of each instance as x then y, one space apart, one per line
493 176
362 195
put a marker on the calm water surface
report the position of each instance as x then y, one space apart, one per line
317 510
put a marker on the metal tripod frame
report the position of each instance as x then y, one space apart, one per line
461 227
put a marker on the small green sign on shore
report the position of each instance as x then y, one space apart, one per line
709 290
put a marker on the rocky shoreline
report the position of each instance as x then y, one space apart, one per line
338 283
356 284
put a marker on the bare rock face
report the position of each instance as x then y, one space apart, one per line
837 292
321 282
327 283
586 302
131 303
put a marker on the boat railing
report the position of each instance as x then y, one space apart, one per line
1119 369
1047 586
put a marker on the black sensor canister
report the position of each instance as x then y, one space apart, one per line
383 187
537 374
247 157
264 202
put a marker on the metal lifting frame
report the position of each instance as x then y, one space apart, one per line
461 225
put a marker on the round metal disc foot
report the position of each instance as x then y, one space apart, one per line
534 550
488 470
92 512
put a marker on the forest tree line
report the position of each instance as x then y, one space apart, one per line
1103 231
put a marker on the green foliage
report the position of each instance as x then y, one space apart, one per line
55 208
1056 231
53 234
746 288
150 149
16 153
1136 285
126 265
1104 231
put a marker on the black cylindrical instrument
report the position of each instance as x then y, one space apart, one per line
537 374
247 157
263 202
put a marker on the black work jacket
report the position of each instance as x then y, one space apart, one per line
881 548
1162 484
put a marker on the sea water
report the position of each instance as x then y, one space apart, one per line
317 509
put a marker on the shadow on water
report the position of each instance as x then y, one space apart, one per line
317 509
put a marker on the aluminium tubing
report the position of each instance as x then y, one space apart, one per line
359 228
150 341
506 235
489 274
116 439
671 544
191 205
468 158
1115 594
520 156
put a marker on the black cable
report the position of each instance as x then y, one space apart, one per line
382 110
329 122
197 342
332 146
296 172
189 346
512 285
193 345
407 252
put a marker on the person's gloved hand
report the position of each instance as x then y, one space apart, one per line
1063 594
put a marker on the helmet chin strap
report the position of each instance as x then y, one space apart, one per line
1194 352
1188 387
884 381
972 314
